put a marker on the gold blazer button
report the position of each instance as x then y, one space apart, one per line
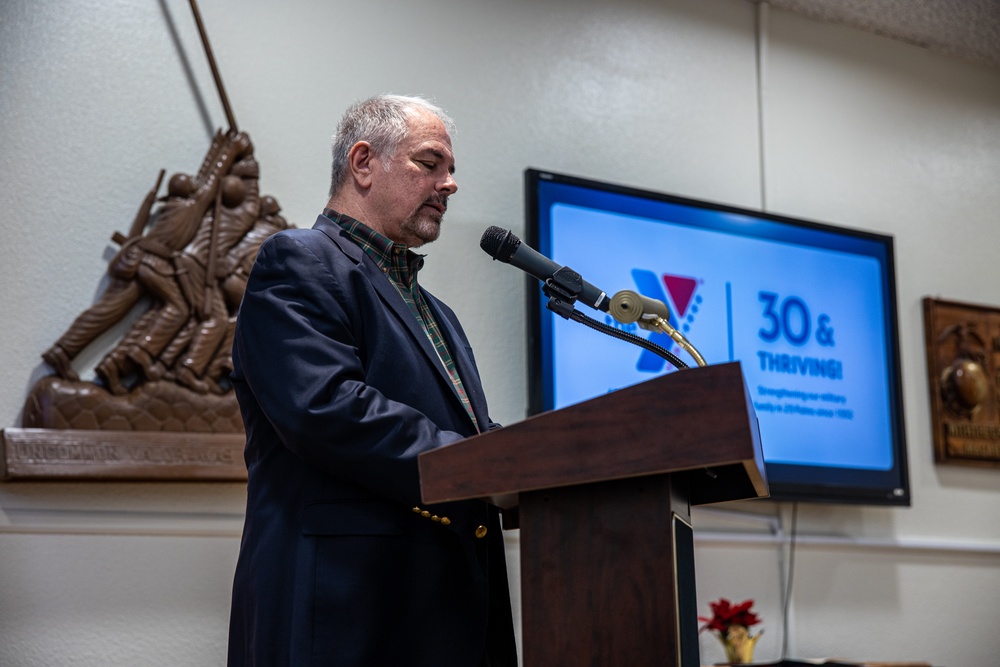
480 532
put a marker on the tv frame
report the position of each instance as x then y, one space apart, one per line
822 484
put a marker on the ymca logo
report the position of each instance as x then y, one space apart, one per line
678 292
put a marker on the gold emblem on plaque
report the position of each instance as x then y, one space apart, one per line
963 368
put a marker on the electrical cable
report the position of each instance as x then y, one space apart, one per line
577 316
789 578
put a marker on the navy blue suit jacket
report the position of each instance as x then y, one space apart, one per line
340 390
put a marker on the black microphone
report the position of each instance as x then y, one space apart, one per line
501 244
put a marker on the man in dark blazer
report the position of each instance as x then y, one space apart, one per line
345 371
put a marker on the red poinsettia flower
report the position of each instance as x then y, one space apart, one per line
725 615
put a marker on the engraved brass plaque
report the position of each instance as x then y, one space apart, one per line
963 368
50 454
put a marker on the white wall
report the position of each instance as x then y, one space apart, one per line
96 97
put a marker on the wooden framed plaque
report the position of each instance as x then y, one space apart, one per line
963 372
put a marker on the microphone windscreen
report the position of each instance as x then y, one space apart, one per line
499 243
628 306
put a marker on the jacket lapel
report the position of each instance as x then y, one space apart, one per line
462 354
395 303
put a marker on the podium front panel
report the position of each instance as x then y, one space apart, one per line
605 579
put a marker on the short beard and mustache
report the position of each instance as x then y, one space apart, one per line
422 224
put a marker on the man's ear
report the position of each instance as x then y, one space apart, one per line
361 159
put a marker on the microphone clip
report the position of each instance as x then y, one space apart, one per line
563 289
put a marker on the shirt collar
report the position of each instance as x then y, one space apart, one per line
385 252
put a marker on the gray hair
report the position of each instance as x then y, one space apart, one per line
382 122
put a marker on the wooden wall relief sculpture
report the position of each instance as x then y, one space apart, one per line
963 367
161 406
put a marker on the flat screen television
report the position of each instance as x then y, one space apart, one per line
808 309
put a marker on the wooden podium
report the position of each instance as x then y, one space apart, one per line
603 491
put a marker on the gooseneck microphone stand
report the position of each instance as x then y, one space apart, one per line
565 286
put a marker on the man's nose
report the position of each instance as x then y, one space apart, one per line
448 186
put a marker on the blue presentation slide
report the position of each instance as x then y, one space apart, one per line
806 323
